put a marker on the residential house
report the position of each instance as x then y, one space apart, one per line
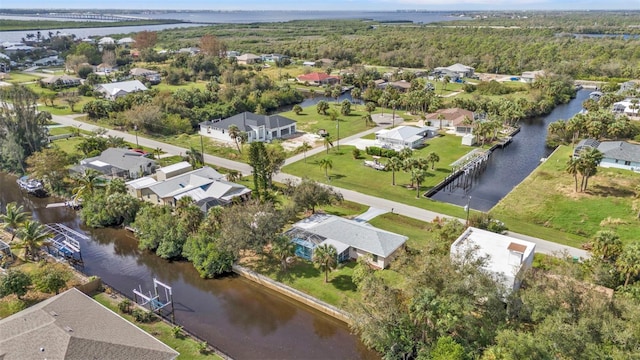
49 60
595 95
105 68
190 50
325 62
118 163
507 257
400 85
73 326
114 90
616 154
150 75
61 81
455 71
627 86
531 76
352 239
248 59
205 186
232 53
318 79
460 120
274 57
106 41
309 63
257 127
170 171
18 48
404 137
629 107
125 41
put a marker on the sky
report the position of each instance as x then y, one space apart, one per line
357 5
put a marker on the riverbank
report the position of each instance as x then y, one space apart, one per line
548 201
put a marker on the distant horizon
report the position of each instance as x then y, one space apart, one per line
341 5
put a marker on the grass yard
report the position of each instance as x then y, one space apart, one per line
304 276
186 346
310 121
210 147
189 85
546 205
350 173
16 77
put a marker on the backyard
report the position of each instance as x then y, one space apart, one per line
546 204
350 173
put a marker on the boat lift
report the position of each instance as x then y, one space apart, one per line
65 242
155 302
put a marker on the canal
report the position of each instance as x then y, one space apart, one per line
239 317
512 164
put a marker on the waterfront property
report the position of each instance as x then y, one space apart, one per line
257 127
352 239
113 91
456 119
118 163
205 186
71 325
455 71
616 154
507 257
531 76
629 107
318 79
400 85
404 137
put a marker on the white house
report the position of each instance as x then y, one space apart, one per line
629 107
616 154
404 137
205 186
455 71
352 239
106 41
114 90
126 41
257 127
507 257
530 76
248 59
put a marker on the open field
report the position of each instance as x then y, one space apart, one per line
546 204
350 173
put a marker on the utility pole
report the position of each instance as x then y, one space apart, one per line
467 209
135 127
202 149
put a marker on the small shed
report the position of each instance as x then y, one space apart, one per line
469 140
170 171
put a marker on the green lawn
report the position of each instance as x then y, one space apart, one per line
186 346
310 121
303 276
350 173
189 85
16 77
546 205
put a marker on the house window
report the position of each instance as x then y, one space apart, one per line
628 163
375 258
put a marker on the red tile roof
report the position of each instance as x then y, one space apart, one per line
455 115
316 77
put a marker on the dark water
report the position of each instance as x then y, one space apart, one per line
509 166
239 317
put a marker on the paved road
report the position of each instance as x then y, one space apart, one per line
542 246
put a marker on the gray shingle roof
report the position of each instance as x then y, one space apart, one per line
73 326
620 150
185 182
119 158
245 120
355 234
126 86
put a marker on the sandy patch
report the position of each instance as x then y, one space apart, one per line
296 141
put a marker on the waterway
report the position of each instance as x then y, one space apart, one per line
241 318
507 167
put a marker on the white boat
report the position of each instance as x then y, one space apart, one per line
31 186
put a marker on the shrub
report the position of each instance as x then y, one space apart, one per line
356 153
377 151
143 316
176 331
125 306
203 347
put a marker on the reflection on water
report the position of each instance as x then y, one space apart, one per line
509 166
239 317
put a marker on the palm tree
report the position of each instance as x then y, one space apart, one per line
628 263
328 142
327 165
589 160
236 136
282 248
573 165
194 157
87 184
417 176
445 81
304 148
394 164
606 245
234 175
33 236
326 257
440 118
394 105
433 158
13 217
157 151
